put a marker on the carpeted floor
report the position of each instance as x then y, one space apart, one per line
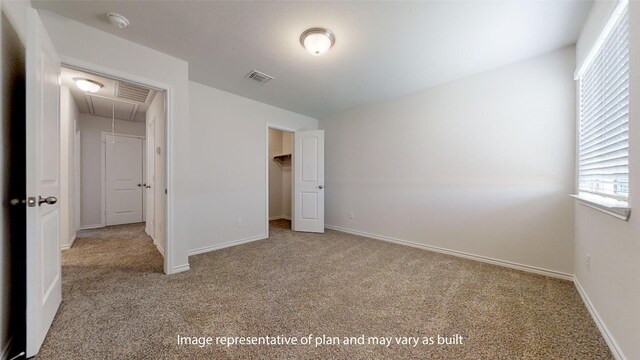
118 305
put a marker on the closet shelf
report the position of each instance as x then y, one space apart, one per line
283 159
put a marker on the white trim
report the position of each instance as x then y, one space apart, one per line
206 249
89 227
105 133
615 208
7 348
266 170
160 250
169 145
145 179
70 245
180 268
606 334
485 259
279 217
606 30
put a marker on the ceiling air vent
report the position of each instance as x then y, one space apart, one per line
132 92
259 76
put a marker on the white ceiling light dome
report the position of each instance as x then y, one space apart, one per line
118 20
317 41
88 85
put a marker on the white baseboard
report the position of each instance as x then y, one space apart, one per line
6 349
226 245
160 250
70 244
608 337
89 227
285 217
180 268
485 259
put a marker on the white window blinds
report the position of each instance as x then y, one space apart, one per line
604 117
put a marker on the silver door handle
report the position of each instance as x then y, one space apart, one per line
320 187
49 200
148 186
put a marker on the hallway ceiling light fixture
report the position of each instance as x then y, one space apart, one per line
118 20
87 85
317 41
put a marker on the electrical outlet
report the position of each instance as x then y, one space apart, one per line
240 222
351 214
587 262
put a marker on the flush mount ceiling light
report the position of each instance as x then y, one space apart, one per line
317 41
118 20
87 85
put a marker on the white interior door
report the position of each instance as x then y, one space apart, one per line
150 184
44 290
123 185
308 184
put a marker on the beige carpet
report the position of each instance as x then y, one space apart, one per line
118 305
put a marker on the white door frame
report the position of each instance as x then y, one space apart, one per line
266 169
103 169
170 140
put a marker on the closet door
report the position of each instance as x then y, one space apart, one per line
308 184
123 185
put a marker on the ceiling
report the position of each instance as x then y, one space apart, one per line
383 49
127 101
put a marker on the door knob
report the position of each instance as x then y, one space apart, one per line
320 187
50 200
148 186
139 185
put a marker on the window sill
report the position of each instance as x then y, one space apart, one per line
615 208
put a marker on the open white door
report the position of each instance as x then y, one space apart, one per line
308 184
124 184
44 290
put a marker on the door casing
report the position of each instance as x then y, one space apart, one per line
169 266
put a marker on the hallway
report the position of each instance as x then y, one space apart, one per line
98 252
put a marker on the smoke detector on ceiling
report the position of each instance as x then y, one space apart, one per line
259 76
118 20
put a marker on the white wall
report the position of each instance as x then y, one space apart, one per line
116 56
16 11
68 121
482 165
228 136
613 283
156 111
91 128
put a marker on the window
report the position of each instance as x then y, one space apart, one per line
603 138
